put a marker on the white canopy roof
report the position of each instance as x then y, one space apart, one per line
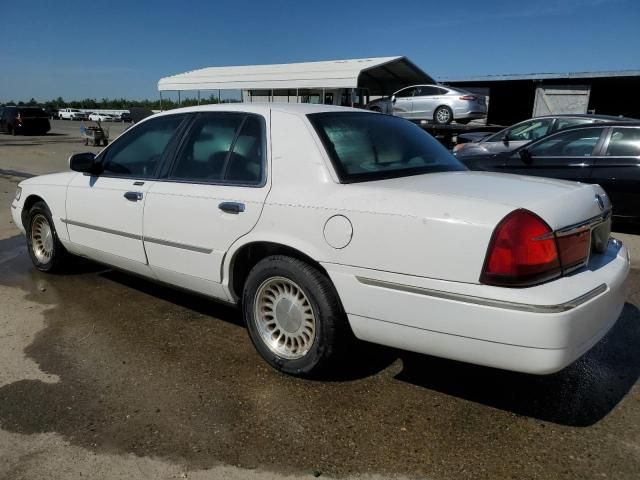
379 75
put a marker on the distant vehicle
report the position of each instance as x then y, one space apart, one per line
607 154
72 114
125 117
524 132
101 117
437 103
52 112
20 120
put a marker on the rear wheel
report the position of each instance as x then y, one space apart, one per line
293 315
45 249
443 115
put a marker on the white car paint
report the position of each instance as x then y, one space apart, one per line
405 254
101 117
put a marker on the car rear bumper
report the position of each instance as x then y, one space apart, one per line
539 329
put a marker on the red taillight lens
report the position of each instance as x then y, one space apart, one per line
522 251
468 97
574 247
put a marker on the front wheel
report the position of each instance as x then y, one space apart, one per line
443 115
293 315
45 249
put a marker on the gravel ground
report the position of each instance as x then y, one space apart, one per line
109 376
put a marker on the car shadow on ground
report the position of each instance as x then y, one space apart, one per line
580 395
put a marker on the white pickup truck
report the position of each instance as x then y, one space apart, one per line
72 114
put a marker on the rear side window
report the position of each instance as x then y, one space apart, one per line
573 143
624 142
139 151
365 146
407 92
223 148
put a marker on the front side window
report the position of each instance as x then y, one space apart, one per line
624 142
366 146
139 151
572 122
573 143
407 92
223 148
529 131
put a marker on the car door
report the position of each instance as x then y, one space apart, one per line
618 170
104 212
424 102
211 195
567 155
403 103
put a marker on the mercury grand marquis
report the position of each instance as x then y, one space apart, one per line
324 223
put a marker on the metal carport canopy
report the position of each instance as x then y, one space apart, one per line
381 75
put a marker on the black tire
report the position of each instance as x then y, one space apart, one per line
443 115
59 256
331 327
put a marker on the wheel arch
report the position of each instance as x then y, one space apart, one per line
29 202
246 256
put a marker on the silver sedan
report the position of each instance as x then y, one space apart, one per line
436 103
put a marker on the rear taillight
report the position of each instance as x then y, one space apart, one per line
522 252
468 97
573 247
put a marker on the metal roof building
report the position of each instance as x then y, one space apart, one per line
515 97
368 76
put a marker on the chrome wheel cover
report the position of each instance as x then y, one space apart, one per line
443 115
41 238
284 318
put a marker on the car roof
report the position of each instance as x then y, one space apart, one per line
300 109
611 118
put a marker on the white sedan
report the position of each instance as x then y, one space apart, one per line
101 117
324 222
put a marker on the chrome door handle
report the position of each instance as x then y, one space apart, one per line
133 196
231 207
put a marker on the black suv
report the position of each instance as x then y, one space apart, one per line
17 120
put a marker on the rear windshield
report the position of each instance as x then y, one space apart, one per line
32 112
370 146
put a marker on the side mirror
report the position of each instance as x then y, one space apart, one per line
83 162
525 156
393 99
505 139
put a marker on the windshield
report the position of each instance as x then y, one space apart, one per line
369 146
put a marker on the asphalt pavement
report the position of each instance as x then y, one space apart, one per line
106 375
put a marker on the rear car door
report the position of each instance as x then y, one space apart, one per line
403 103
211 195
104 212
618 170
566 155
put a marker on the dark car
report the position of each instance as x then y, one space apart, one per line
606 154
125 117
20 120
508 139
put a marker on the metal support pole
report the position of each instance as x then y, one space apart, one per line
160 100
219 98
179 101
271 98
352 92
198 97
297 95
322 97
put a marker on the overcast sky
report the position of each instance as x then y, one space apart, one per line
121 49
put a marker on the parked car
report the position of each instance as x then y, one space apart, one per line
21 120
125 117
604 154
322 222
101 117
437 103
72 114
524 132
